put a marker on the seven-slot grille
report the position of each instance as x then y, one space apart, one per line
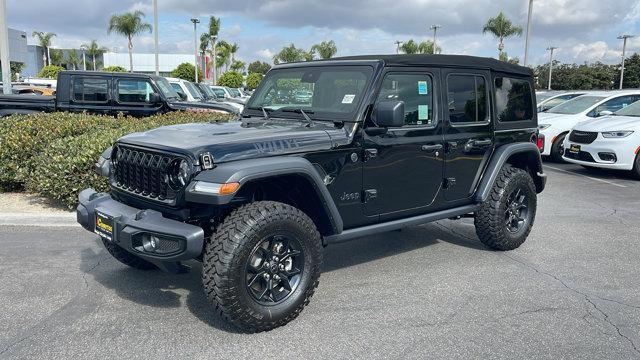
583 137
142 172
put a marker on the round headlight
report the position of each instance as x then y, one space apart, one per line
179 173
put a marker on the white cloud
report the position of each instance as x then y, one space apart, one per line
596 51
265 54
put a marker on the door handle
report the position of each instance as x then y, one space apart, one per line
486 142
431 147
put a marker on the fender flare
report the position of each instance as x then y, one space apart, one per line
245 171
500 157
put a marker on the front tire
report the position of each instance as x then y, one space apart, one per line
556 149
262 265
636 167
505 219
126 257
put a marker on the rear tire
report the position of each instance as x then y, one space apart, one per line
262 265
506 217
636 167
126 257
557 150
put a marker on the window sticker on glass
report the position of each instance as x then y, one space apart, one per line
423 112
422 88
348 98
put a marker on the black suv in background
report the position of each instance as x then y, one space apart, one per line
107 93
376 144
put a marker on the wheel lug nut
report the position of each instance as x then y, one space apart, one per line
266 276
276 277
281 267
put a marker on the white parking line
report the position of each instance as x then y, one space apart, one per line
588 177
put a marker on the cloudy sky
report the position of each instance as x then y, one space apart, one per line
583 30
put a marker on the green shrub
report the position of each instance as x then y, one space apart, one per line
253 80
50 72
115 68
231 79
53 155
185 71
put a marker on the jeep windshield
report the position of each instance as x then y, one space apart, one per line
165 88
331 93
576 105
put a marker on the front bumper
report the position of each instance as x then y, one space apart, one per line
131 225
591 154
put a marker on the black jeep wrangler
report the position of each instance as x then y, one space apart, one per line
376 143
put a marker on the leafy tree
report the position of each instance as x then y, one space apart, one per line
114 68
237 66
631 72
185 71
44 40
501 28
426 47
290 54
73 59
50 71
93 50
129 24
56 57
409 47
231 79
16 68
412 47
326 49
505 57
596 76
259 67
253 80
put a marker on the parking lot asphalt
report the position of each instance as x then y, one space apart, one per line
433 291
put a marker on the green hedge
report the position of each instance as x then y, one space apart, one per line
53 154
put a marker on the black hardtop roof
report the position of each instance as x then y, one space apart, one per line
106 73
458 61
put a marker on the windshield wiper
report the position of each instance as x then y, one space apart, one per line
265 111
302 112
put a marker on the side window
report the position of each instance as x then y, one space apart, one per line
467 99
134 91
90 89
416 91
219 93
618 103
513 100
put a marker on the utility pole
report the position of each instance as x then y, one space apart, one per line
4 49
624 38
215 61
528 35
398 43
155 35
195 22
435 30
550 48
84 60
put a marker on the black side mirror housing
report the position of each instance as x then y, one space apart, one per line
389 113
155 98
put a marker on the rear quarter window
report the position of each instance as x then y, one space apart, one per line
514 100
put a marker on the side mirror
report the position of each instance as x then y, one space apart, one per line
154 98
389 113
605 113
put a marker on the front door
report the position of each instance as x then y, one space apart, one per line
403 166
133 97
469 132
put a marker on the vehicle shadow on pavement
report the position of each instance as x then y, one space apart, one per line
161 290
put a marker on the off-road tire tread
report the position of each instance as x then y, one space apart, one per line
126 257
228 240
489 220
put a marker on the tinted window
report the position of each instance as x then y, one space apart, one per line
576 105
417 93
134 91
513 99
177 88
467 98
90 89
219 92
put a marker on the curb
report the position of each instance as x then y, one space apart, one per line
39 219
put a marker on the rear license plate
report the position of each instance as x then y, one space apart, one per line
574 148
104 226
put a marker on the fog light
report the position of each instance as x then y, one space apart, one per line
606 156
150 243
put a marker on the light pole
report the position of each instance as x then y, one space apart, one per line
435 30
624 38
526 39
398 43
550 48
195 22
215 61
155 35
84 60
4 49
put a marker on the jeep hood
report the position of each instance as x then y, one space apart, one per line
240 140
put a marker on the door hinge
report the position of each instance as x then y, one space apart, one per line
449 183
369 195
370 154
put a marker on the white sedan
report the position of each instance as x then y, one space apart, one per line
555 123
610 142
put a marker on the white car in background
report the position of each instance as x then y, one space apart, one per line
229 94
555 123
185 89
556 99
610 142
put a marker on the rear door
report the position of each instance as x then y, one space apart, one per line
132 97
468 138
90 93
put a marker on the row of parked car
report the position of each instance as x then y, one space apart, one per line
201 92
599 129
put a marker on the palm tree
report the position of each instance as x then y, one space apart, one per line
290 54
44 40
129 24
237 66
501 28
233 49
214 29
326 49
56 57
223 54
426 47
73 59
93 50
409 47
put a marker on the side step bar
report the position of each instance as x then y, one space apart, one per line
399 224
